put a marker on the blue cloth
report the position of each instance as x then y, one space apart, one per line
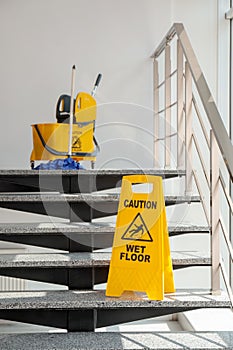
64 164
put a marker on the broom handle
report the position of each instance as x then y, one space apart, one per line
71 111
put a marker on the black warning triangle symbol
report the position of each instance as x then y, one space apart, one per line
137 230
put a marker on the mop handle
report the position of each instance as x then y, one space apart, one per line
99 77
71 111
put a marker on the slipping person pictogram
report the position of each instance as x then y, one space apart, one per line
137 230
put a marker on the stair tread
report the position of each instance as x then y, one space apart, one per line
26 172
96 299
50 228
118 341
86 197
89 259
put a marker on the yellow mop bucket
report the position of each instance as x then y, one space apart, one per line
73 135
50 140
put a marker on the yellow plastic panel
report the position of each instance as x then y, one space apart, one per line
56 136
141 259
85 108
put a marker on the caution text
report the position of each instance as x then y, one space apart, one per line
135 203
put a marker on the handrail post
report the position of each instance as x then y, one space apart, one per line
167 106
188 130
156 114
180 107
214 214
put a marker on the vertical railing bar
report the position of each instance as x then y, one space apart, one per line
180 107
188 130
167 104
214 214
156 114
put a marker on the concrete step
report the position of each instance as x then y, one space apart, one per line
86 197
77 270
76 207
97 259
88 310
118 341
69 300
75 237
72 181
65 228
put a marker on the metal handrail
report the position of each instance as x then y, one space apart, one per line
170 76
201 160
218 144
166 108
202 197
227 195
201 122
169 36
209 105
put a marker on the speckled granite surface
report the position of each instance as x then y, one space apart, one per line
118 341
87 259
87 197
25 172
98 300
53 227
58 197
42 228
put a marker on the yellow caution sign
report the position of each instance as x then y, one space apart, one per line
141 259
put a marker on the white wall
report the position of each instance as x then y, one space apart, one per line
41 40
200 18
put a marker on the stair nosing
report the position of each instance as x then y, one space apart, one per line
151 340
87 197
82 228
96 299
83 259
152 171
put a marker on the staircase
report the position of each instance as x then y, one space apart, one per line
87 201
82 266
